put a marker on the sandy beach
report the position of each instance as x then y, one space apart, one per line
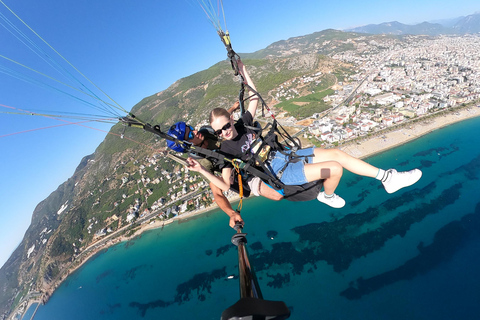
363 148
383 140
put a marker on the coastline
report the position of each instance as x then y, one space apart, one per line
367 147
405 133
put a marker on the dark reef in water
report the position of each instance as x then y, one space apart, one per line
361 196
131 273
201 283
103 275
471 170
224 249
446 242
143 307
129 243
440 151
354 181
427 163
278 280
256 246
283 252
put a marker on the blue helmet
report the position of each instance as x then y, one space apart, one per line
177 131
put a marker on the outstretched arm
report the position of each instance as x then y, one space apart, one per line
218 186
252 105
195 166
225 205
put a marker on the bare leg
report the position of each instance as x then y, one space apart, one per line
331 171
328 164
269 193
348 162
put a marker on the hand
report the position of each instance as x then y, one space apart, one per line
234 218
194 165
235 106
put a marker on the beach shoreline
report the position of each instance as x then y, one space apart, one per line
364 148
405 133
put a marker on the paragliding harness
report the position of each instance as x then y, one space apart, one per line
264 148
263 151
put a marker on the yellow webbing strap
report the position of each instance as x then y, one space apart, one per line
240 187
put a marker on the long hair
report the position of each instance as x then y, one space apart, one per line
218 112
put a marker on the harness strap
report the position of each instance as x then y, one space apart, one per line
240 188
271 139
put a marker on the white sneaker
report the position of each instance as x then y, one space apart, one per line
398 180
334 201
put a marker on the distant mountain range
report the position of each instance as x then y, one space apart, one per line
457 26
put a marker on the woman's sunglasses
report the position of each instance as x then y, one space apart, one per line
225 127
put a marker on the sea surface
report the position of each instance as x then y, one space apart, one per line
414 254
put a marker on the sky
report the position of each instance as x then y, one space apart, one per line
131 50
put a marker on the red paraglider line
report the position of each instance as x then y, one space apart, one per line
50 117
49 127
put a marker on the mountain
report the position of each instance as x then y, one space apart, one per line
458 26
325 42
448 23
397 28
468 24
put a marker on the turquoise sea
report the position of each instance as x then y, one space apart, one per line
414 254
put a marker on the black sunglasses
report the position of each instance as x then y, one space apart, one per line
227 126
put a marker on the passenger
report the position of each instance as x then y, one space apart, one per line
327 164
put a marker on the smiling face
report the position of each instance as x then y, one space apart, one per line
224 127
